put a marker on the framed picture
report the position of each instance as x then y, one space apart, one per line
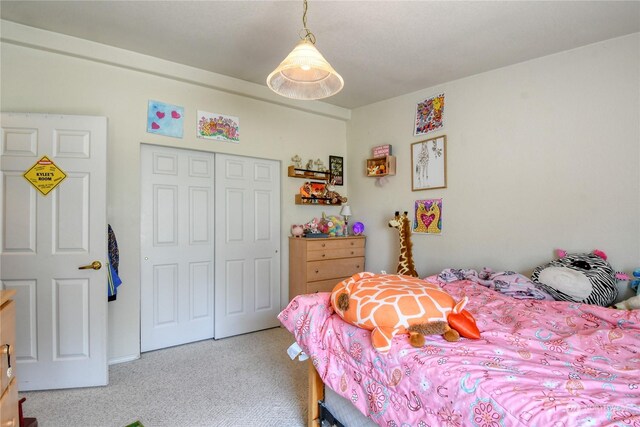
336 169
165 119
429 115
429 164
218 126
428 216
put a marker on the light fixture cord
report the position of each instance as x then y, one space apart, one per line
308 35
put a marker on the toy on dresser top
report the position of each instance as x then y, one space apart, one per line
328 225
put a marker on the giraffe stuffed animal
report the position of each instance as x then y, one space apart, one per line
405 260
388 305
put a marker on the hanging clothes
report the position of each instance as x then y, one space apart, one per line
114 261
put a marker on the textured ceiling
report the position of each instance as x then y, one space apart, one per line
382 49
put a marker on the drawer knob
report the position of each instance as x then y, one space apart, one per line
317 271
323 245
323 255
352 252
351 243
357 266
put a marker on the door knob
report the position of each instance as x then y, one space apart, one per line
96 265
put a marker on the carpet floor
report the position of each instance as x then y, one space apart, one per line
247 380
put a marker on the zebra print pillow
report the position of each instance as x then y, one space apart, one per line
584 278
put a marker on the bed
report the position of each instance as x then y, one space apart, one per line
538 363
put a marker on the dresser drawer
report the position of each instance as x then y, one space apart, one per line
331 269
333 244
9 406
319 264
7 336
335 253
324 285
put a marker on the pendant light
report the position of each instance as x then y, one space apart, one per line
305 74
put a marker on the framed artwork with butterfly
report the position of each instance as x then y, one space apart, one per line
429 115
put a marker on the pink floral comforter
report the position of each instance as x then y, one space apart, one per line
539 363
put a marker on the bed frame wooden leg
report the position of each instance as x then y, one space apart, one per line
316 392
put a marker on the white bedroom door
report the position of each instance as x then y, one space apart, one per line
247 226
177 246
61 310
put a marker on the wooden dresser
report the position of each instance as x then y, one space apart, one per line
8 383
318 264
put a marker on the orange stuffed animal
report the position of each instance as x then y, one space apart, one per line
392 304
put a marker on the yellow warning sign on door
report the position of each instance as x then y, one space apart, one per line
45 175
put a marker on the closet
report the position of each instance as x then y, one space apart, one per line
210 245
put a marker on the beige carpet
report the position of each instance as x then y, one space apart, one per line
246 380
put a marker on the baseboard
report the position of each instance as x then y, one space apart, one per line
123 359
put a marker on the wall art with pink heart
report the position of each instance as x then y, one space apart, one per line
428 217
165 119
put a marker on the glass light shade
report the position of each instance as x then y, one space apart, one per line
345 211
305 74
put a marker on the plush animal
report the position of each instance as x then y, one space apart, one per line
297 230
632 303
391 304
405 260
586 278
312 227
312 189
335 225
332 194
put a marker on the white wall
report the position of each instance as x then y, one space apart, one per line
540 155
41 81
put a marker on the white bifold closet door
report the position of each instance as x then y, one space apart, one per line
247 290
177 210
210 245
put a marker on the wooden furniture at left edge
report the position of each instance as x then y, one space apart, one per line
8 383
316 393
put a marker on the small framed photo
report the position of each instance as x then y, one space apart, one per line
429 115
336 169
429 164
